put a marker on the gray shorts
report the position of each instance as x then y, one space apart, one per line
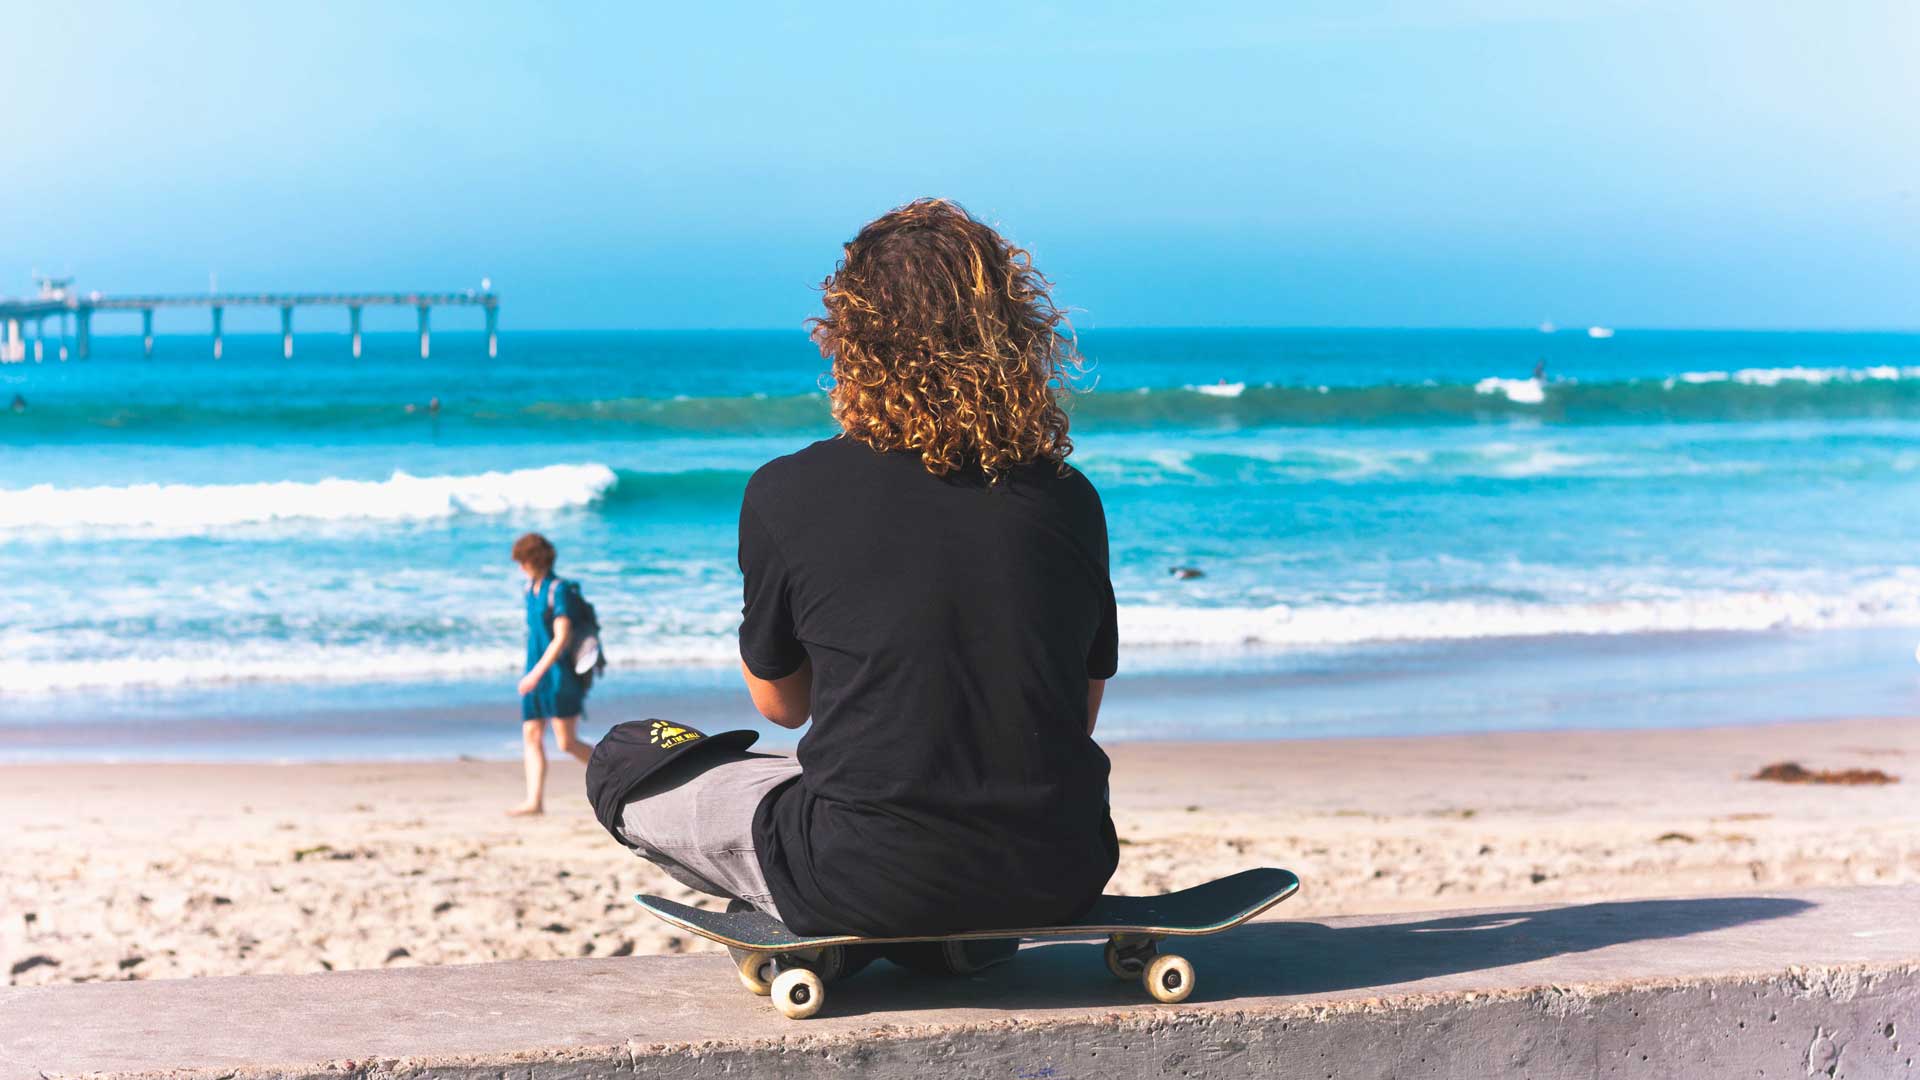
694 819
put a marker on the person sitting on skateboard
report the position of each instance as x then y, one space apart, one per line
930 588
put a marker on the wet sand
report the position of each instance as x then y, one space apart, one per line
158 871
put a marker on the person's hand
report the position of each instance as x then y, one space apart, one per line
528 682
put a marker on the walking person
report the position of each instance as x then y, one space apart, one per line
552 691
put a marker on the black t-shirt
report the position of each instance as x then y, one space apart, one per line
948 781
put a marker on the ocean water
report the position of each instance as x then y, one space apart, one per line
1394 531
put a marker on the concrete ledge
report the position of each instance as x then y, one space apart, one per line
1825 982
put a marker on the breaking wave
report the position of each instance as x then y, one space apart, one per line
186 509
702 635
179 509
1739 395
1891 601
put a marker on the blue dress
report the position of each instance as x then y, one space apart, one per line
560 693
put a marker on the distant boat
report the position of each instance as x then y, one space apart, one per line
1548 327
1600 332
1223 388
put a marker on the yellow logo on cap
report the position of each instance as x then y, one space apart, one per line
667 736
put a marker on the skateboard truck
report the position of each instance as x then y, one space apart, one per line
797 981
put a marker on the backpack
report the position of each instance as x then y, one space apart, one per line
588 660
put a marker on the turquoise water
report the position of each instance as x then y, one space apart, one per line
284 545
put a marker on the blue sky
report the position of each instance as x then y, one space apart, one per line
1306 164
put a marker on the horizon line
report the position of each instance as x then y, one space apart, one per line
1565 331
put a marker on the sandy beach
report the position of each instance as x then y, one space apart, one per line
164 871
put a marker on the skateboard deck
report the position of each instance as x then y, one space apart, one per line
780 962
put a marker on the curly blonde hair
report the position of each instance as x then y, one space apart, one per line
943 339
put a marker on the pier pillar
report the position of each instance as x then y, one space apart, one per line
63 337
83 332
353 319
423 330
218 311
493 330
286 331
39 340
15 348
146 331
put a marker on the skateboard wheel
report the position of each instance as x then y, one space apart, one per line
1169 979
798 993
1128 962
756 971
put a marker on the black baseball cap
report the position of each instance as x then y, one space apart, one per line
635 750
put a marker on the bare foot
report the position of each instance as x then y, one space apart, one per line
526 810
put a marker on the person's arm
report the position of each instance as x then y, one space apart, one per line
769 641
785 701
561 625
1096 689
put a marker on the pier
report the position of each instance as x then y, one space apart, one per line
73 315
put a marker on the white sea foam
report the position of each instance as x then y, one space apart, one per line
1518 391
252 665
306 663
31 664
1894 601
186 509
1243 462
1778 375
1514 461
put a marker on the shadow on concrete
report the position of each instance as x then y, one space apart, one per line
1277 959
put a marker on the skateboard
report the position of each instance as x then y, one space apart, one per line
794 970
